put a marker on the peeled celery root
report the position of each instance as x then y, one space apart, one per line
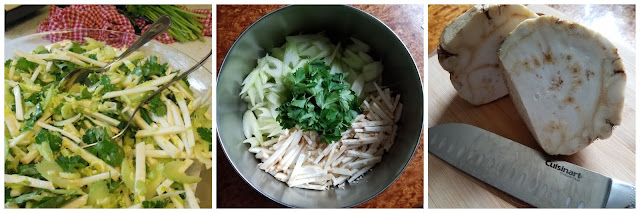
566 81
468 50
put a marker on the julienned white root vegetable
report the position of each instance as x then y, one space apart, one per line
28 181
468 48
566 81
301 160
77 203
172 134
140 173
281 150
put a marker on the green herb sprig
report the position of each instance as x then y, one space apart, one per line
318 101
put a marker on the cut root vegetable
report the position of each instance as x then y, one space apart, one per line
140 174
301 160
56 129
304 159
468 47
18 101
566 81
160 131
77 203
28 181
134 90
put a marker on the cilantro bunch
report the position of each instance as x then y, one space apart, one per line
318 101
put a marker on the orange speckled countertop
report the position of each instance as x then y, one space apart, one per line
407 22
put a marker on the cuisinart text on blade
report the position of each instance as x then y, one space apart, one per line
527 174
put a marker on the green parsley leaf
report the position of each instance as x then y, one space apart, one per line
205 133
7 64
7 195
106 82
69 164
56 201
319 101
85 94
24 197
150 67
76 48
112 185
100 79
29 170
155 204
34 97
157 107
58 109
145 115
28 124
24 64
61 69
185 81
105 149
93 78
94 135
54 139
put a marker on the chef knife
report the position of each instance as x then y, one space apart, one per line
531 176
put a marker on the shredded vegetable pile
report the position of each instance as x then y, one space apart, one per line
316 116
59 150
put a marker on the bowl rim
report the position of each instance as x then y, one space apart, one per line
417 143
13 40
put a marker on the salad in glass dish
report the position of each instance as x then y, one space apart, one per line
59 151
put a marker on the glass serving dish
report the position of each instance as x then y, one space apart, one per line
199 81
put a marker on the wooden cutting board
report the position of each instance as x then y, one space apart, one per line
449 187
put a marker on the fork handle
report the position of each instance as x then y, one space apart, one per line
158 27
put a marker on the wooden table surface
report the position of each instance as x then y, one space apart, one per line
449 187
407 22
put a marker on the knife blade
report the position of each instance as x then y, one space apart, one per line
531 176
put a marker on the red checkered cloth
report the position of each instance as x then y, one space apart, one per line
80 18
167 39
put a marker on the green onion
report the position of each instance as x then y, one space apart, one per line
185 24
